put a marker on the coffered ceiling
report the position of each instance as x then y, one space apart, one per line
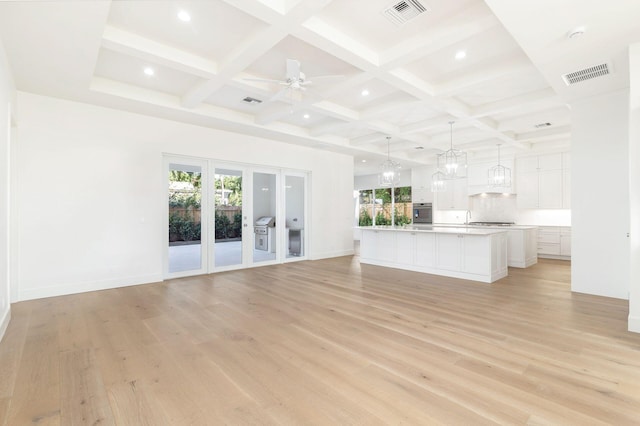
385 79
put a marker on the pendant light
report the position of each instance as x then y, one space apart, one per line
438 182
499 176
389 170
453 162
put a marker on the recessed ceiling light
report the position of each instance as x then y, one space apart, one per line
184 16
460 55
576 32
149 71
306 116
364 92
364 161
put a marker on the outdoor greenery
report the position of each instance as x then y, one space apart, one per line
185 202
365 218
186 197
229 183
378 202
183 228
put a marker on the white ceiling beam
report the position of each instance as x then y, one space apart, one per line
438 123
514 102
544 133
332 127
511 65
473 20
139 47
254 47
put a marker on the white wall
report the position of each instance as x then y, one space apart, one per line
634 187
91 192
7 99
600 195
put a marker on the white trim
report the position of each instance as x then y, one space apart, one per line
65 289
5 322
634 324
328 255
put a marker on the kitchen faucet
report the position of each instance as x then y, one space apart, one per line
467 216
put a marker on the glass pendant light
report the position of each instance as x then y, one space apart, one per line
389 170
438 182
453 162
499 176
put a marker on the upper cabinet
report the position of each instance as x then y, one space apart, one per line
543 182
454 197
421 184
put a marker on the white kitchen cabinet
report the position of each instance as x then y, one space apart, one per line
565 241
474 254
522 247
540 182
554 242
455 196
421 184
449 249
550 189
405 247
425 250
459 252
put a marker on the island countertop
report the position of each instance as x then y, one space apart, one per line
477 254
469 230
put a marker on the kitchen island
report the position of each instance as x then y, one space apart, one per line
460 252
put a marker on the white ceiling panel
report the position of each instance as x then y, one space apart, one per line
130 70
509 81
215 28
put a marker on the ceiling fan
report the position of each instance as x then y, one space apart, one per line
295 80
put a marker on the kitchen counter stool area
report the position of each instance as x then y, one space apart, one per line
472 254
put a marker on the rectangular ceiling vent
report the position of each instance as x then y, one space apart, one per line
404 11
587 74
251 100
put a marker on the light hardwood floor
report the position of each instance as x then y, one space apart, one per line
324 342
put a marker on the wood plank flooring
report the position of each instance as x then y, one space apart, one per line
324 342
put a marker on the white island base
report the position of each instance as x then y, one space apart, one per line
468 253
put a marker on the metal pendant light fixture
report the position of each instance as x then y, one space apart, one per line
453 162
499 176
389 170
438 182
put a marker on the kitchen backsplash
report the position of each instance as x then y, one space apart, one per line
493 208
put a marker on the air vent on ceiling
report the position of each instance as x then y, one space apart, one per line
251 100
404 11
587 74
541 125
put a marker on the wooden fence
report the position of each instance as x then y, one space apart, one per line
402 209
194 213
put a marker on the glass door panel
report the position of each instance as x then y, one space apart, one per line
228 218
294 215
185 251
264 216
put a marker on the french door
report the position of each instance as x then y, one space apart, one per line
224 216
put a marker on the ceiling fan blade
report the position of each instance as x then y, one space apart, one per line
293 69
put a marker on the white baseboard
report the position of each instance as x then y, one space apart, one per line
328 255
634 324
4 322
62 290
